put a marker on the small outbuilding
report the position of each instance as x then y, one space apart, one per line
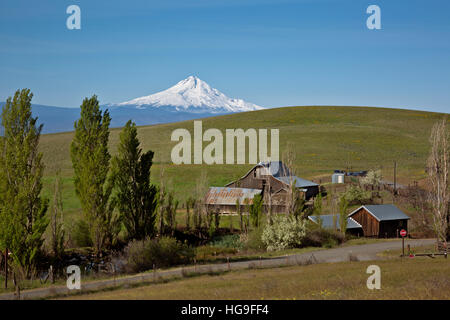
381 221
330 221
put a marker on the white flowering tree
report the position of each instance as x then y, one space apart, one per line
285 232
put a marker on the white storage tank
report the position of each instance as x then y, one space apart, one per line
338 178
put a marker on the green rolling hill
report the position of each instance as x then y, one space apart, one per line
323 139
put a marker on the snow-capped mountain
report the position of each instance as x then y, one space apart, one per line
192 95
189 99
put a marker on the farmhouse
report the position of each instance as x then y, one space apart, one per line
330 221
382 220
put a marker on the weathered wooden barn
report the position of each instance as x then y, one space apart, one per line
273 180
330 221
276 178
382 220
225 199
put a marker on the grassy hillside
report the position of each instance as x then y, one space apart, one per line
324 138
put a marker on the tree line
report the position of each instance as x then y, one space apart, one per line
114 192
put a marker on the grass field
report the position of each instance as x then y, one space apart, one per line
418 278
324 138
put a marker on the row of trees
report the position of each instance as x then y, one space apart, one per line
102 183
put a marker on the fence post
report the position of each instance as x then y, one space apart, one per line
114 272
52 279
6 268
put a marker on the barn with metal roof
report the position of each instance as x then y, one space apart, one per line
381 220
225 199
275 177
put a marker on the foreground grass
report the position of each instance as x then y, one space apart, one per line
419 278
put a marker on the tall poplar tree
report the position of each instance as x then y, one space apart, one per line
22 211
136 198
439 178
91 162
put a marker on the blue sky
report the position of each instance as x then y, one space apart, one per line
272 53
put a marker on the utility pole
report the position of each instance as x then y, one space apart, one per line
395 177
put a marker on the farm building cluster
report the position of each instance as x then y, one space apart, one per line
268 179
273 181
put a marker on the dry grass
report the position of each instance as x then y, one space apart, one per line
419 278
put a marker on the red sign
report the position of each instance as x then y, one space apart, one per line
403 233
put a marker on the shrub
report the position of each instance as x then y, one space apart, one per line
227 241
285 232
322 238
207 253
356 195
373 178
141 255
254 240
80 234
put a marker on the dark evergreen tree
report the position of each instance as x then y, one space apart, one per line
136 196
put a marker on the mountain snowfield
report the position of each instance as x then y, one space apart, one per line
189 99
192 95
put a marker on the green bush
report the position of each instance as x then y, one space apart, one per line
80 234
284 233
254 240
227 241
319 237
141 255
356 195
